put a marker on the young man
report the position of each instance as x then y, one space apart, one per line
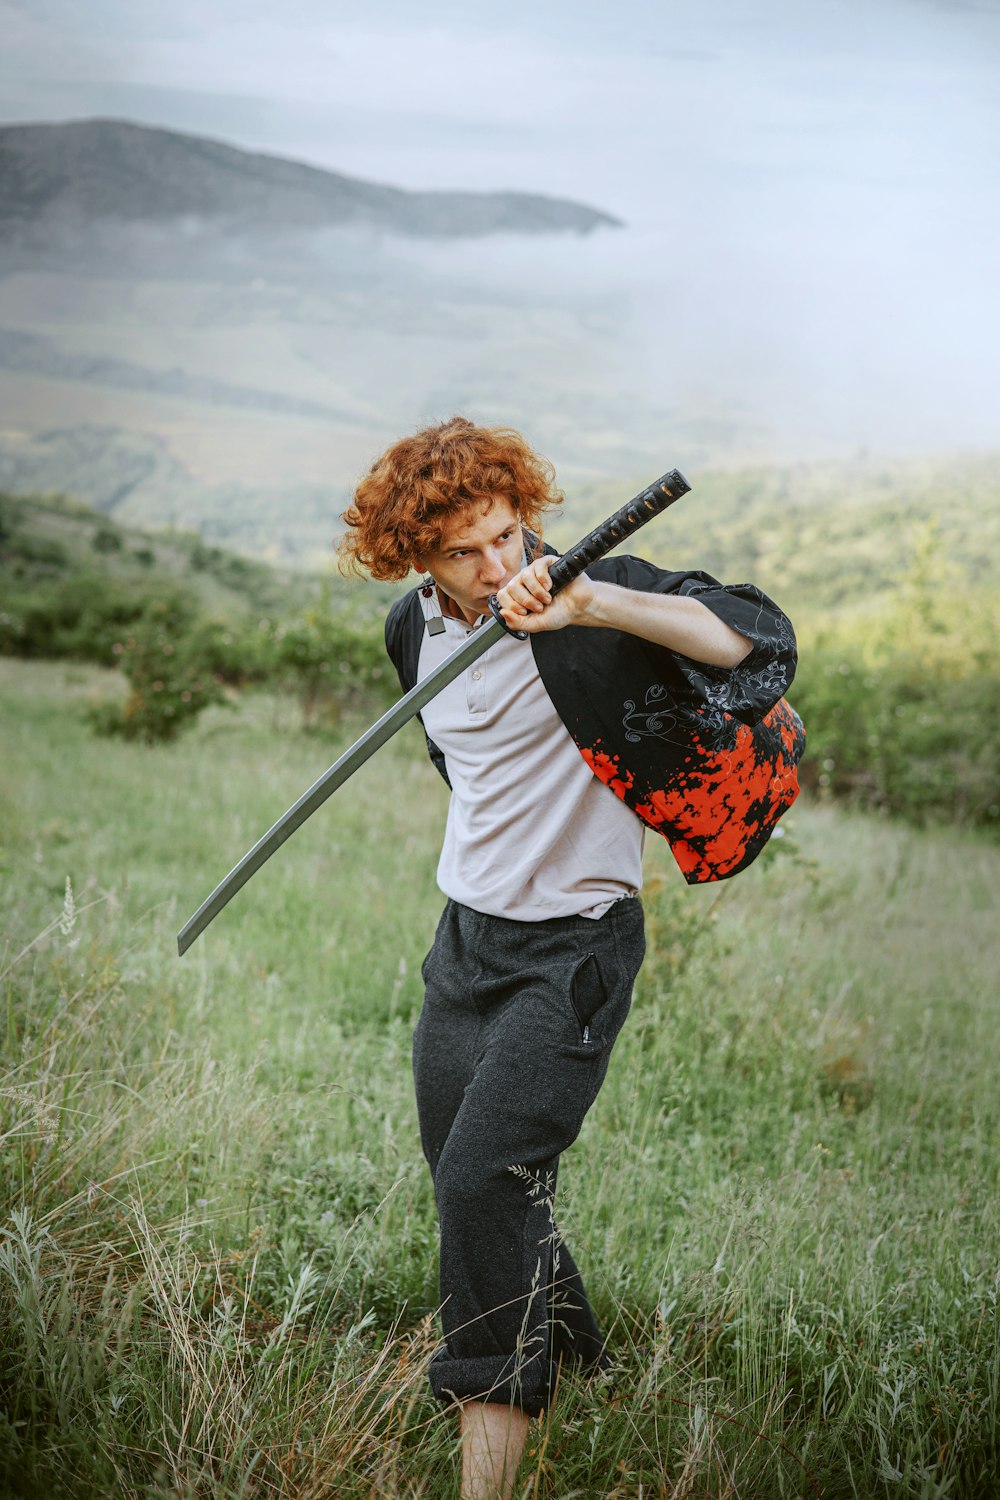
554 774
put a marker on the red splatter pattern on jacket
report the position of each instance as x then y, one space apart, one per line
605 768
720 805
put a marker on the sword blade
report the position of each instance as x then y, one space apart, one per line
637 512
373 739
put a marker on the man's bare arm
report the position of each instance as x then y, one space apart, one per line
677 621
674 620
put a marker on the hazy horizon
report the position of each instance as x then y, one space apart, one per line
810 196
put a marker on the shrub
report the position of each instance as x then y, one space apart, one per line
236 652
106 538
169 682
900 708
918 743
10 512
39 556
325 657
201 557
82 617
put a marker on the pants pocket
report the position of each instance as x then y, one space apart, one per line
587 992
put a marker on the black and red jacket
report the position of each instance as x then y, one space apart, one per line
705 756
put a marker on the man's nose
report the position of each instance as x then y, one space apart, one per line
493 568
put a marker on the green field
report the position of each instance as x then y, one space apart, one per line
218 1244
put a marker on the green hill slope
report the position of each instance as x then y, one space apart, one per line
44 540
821 537
888 574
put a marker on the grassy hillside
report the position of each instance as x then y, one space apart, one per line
894 605
217 1234
54 551
46 539
822 537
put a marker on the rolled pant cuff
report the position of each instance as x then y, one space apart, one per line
504 1379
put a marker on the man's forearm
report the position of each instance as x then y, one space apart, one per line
677 621
673 620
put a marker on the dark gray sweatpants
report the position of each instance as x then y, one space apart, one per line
510 1050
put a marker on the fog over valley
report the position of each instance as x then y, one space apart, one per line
759 235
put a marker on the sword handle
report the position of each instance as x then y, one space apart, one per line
624 523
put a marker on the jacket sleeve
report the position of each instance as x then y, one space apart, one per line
747 691
403 627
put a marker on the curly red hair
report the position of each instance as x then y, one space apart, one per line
423 483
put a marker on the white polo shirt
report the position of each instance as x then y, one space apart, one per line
531 833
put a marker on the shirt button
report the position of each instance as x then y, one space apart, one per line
476 675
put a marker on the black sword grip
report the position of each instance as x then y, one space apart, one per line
624 522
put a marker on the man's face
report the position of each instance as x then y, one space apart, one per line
479 552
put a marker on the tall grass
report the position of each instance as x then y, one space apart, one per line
217 1235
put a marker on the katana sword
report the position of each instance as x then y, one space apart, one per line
651 502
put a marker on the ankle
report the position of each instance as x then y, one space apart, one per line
493 1437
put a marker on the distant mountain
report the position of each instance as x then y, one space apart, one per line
67 176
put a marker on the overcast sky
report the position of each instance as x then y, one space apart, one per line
822 175
613 100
